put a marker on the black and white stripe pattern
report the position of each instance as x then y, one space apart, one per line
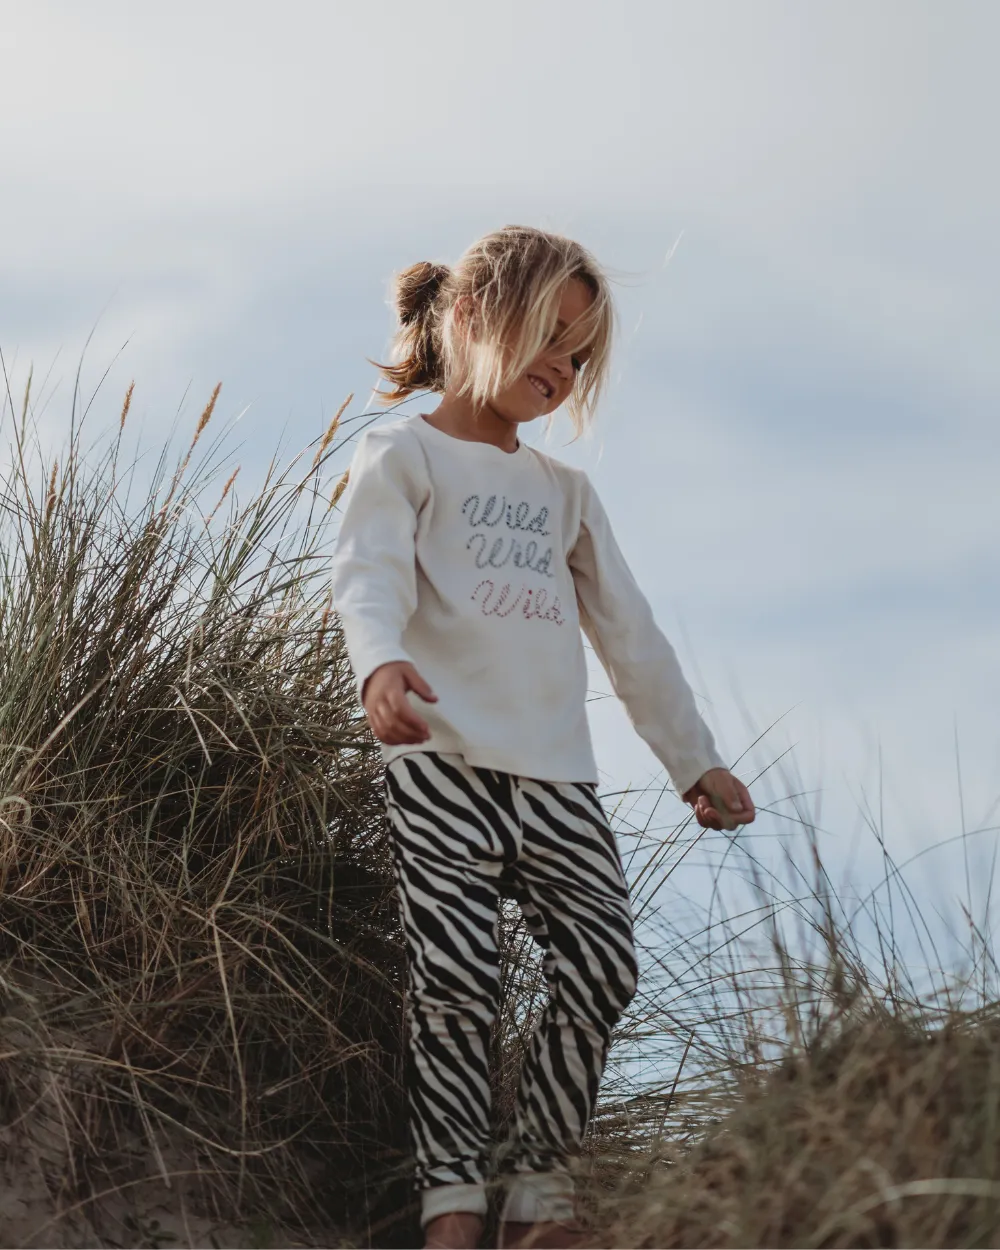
455 830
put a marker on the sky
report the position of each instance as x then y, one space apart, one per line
798 206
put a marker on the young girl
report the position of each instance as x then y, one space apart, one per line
467 564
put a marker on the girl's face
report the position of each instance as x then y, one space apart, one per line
548 380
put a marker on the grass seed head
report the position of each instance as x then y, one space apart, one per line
331 430
206 415
127 404
50 500
339 489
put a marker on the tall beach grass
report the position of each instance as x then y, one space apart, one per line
200 962
201 967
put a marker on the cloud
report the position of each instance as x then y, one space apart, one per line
763 113
798 451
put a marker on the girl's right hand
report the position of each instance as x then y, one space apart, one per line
389 711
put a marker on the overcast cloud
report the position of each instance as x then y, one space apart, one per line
799 450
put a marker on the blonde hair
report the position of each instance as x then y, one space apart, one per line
480 324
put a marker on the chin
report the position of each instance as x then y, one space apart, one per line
519 418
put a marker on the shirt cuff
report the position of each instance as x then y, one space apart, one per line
685 773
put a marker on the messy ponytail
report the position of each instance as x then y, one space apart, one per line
417 348
507 288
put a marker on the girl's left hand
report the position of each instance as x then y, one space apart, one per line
719 789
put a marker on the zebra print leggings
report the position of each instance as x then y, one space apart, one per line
460 834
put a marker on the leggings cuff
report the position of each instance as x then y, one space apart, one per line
534 1196
445 1199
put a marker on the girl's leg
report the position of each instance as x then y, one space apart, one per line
451 839
575 901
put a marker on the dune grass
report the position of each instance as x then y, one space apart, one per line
200 962
835 1076
201 968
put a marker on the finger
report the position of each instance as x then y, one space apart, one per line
383 733
692 795
396 734
382 727
390 728
708 817
728 793
386 726
722 813
406 719
738 801
406 732
399 705
416 683
748 803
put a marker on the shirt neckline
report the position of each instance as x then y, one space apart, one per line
491 448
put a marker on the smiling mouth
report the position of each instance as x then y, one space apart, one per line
541 386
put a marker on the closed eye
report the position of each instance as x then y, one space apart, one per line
575 361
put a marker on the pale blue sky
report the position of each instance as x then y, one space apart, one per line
799 450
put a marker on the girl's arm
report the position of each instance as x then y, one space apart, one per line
374 567
641 664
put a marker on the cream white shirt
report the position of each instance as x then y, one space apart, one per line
480 567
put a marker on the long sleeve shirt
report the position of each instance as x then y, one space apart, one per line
480 567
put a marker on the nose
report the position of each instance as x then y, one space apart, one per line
563 365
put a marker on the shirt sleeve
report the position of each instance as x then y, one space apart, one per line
641 664
374 564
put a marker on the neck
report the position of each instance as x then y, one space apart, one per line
456 415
